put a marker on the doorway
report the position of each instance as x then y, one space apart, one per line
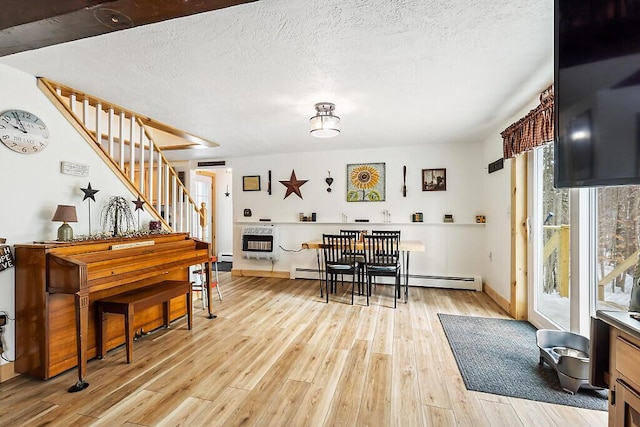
214 187
549 296
206 193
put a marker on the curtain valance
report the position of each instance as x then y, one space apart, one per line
534 129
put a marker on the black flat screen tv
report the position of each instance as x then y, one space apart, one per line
597 93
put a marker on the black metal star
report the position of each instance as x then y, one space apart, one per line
293 185
138 203
89 193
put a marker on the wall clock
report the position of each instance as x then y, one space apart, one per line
23 132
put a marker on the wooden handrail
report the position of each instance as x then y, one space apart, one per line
620 268
172 195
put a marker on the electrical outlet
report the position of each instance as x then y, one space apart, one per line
3 319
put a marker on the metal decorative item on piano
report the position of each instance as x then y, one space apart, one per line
57 286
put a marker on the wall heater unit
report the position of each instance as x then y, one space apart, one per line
260 243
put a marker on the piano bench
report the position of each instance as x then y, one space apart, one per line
129 303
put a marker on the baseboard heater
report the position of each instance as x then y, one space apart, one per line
471 283
222 257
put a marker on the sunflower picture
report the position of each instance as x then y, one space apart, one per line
366 182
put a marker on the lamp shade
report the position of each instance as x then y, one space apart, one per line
324 124
65 213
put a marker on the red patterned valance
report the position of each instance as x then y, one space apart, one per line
534 129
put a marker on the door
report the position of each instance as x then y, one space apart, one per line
550 228
205 193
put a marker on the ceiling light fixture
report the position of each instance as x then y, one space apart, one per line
324 124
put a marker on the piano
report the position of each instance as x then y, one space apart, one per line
57 285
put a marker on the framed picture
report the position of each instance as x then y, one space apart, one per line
434 179
251 183
366 182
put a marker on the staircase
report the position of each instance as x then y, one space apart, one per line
126 142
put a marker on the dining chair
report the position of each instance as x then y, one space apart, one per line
382 259
387 233
359 255
339 259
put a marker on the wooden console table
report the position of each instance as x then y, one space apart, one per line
615 353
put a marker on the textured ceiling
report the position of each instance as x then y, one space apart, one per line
400 72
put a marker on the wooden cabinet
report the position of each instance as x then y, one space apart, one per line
626 407
615 358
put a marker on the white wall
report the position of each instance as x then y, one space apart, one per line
32 185
451 249
496 255
224 210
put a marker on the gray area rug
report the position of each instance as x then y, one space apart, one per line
500 356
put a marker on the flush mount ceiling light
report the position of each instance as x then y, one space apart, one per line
324 124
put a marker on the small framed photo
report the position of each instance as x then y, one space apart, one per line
434 179
251 183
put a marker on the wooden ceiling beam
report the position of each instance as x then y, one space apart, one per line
27 25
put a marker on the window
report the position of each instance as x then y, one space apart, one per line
616 229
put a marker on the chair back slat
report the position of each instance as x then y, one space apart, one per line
387 233
338 248
356 233
381 250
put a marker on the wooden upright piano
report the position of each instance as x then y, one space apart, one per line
57 285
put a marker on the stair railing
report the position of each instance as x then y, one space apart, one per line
121 138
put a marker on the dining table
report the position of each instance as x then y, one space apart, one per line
405 247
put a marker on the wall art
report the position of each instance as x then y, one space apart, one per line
293 185
251 183
434 179
366 182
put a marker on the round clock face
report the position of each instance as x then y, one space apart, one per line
23 132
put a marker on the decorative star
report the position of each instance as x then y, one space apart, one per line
293 185
138 203
89 193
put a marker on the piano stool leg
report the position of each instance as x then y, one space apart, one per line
166 310
102 331
189 309
128 330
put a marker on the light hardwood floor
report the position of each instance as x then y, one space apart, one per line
278 355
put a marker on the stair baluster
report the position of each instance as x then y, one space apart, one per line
146 171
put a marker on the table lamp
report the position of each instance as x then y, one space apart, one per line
65 213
